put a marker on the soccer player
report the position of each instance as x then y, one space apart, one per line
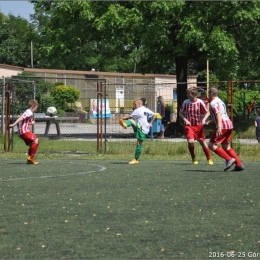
223 131
204 98
131 121
140 115
24 124
190 112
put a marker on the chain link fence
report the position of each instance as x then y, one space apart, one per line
81 123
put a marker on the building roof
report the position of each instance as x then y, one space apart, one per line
88 72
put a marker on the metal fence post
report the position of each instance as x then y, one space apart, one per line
3 105
99 116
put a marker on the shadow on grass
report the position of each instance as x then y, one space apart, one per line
208 171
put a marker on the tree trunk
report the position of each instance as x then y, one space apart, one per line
181 74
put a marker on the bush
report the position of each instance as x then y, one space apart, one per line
62 95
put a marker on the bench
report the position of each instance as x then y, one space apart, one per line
50 120
54 120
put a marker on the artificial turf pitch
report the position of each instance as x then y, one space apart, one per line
83 209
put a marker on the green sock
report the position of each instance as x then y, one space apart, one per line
128 123
138 151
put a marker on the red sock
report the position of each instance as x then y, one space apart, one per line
207 153
191 149
233 154
220 152
33 149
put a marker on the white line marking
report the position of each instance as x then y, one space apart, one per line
102 168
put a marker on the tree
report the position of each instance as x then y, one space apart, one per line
151 37
68 28
23 92
15 38
182 32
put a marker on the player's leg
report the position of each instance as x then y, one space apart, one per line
32 141
127 123
33 147
213 146
133 124
206 151
189 133
231 152
138 149
191 149
200 136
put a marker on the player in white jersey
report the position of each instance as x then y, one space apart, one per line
140 115
24 130
131 121
223 131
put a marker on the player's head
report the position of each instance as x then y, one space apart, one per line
160 99
144 101
33 105
213 92
138 102
203 94
192 93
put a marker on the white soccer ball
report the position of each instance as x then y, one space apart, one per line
51 111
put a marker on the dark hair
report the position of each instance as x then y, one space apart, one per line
143 100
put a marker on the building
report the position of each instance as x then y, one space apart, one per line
121 88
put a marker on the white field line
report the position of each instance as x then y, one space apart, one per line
102 168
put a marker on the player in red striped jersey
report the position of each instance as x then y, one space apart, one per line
204 98
223 131
24 124
190 112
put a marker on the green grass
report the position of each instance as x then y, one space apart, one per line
78 203
156 149
78 209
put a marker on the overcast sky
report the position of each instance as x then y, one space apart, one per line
18 7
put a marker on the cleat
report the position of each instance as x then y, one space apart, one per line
210 162
238 168
122 123
229 163
134 161
31 161
194 161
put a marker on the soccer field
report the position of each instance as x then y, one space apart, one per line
103 209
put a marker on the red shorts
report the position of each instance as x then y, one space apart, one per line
195 132
29 138
224 137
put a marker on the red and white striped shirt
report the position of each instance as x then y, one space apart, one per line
193 110
25 125
218 106
205 100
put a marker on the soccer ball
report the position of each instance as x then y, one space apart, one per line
51 111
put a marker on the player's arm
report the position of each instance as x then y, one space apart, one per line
20 119
182 116
219 123
205 118
152 120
